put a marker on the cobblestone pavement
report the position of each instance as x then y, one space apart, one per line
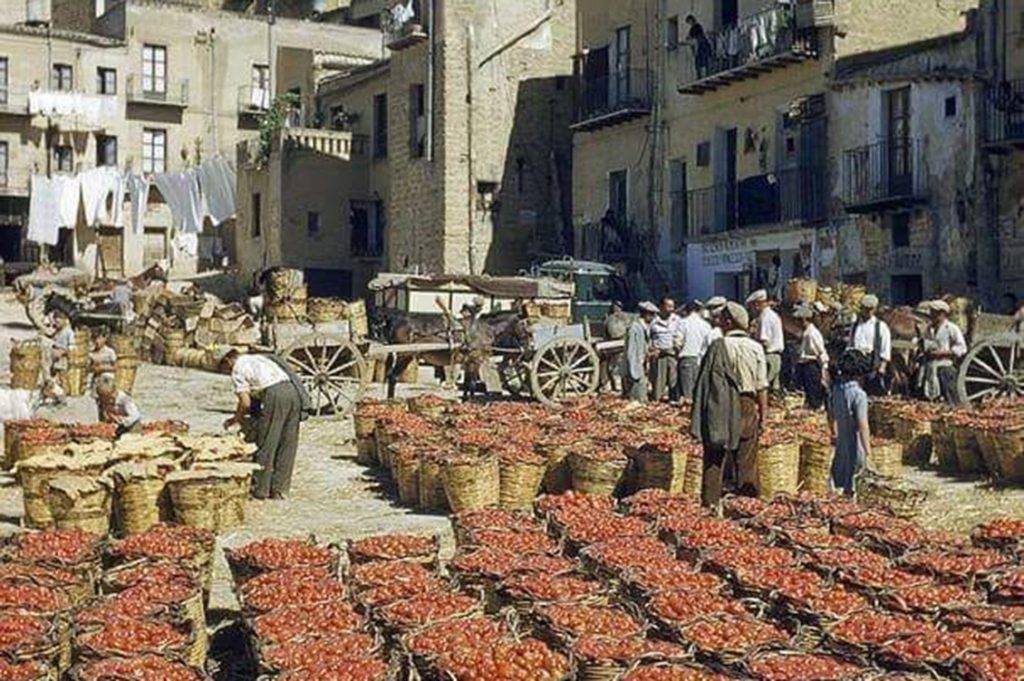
336 499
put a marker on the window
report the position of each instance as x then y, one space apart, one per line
154 150
257 215
312 223
154 69
951 107
259 97
106 81
906 289
62 78
672 33
3 164
366 225
899 227
380 126
618 201
622 87
417 121
106 150
3 80
704 154
63 158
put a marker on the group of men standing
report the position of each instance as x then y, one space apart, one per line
725 358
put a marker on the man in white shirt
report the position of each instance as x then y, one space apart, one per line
812 362
265 391
943 343
694 331
872 337
768 331
116 406
664 332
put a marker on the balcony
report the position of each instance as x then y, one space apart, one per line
760 43
13 103
174 94
1004 116
405 36
253 101
785 197
883 176
611 100
333 143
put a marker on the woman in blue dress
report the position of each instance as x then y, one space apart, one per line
848 419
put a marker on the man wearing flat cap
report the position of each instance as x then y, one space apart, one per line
638 341
872 336
943 343
768 331
730 402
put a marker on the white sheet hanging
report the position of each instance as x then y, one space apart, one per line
43 211
70 192
181 192
98 185
138 192
217 180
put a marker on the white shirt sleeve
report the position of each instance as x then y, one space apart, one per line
958 345
885 351
239 380
132 415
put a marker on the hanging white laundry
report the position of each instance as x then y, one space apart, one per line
138 191
217 181
43 211
118 186
181 192
187 244
70 192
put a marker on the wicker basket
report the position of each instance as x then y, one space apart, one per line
944 444
79 503
213 498
125 371
427 406
174 343
557 476
35 475
471 483
778 470
520 483
595 476
816 466
693 483
74 379
325 310
432 496
406 468
968 453
881 415
26 364
898 496
1003 452
140 501
184 652
916 437
283 282
887 458
656 468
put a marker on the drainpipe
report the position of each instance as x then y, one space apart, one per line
470 189
431 65
213 89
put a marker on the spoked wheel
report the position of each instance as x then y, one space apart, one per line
993 369
34 301
564 369
333 370
515 376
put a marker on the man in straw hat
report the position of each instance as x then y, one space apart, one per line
872 336
268 391
812 362
634 359
116 406
768 331
943 343
730 402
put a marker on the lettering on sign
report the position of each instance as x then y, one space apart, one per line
728 252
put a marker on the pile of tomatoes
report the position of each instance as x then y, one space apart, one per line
24 632
275 554
130 637
141 668
300 621
1000 664
800 667
1004 533
56 547
163 542
295 586
393 547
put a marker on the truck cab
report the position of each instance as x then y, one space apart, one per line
596 286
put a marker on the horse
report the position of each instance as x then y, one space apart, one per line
471 345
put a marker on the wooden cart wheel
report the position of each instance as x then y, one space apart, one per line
34 301
515 376
333 370
564 369
994 368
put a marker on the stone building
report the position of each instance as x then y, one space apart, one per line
709 165
184 82
461 145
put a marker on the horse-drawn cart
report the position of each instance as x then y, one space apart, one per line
994 366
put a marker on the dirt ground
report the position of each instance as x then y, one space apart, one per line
336 499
